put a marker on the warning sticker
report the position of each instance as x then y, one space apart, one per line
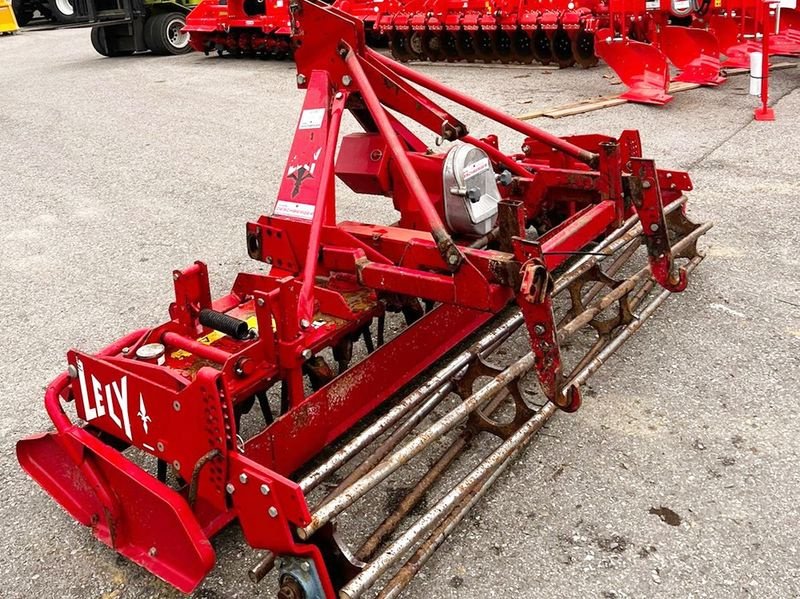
312 118
294 210
209 339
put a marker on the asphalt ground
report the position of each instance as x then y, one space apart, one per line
678 478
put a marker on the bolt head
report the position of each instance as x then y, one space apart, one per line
305 567
307 354
72 371
176 275
539 329
230 488
260 302
304 324
338 95
654 227
243 478
265 489
646 184
347 80
301 79
273 512
152 552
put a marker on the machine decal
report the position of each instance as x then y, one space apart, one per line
110 398
300 172
311 118
294 210
142 414
299 175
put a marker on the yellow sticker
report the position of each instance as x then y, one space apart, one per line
180 354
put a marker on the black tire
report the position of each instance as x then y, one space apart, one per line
162 34
62 11
104 44
22 12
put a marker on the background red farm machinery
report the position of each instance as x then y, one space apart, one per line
157 445
638 39
640 46
241 27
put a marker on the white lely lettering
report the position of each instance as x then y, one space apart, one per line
111 399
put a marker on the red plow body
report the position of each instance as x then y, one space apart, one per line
246 407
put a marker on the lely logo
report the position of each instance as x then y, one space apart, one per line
109 399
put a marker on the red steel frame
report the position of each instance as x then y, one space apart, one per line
327 283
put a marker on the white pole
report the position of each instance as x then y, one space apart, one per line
755 73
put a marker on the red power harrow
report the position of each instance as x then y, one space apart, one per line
495 262
241 28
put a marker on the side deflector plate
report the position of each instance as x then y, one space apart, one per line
154 526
